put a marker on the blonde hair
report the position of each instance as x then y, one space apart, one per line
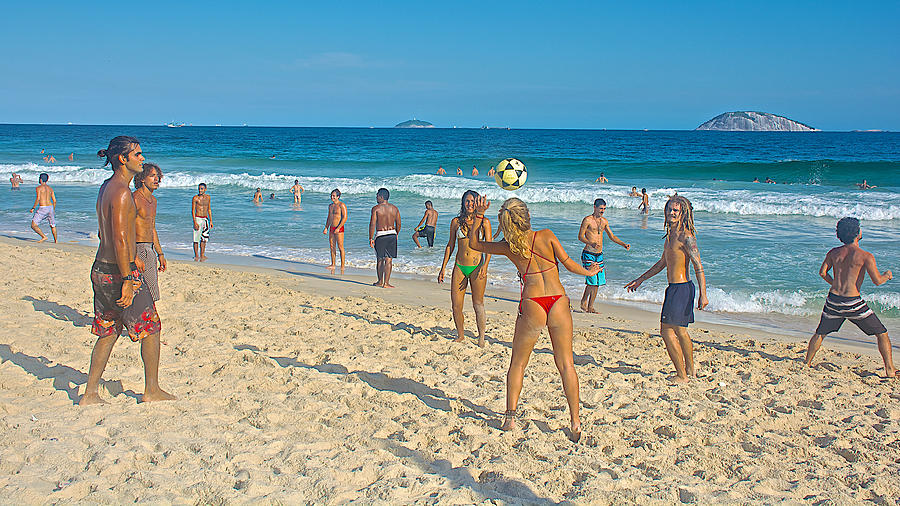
687 214
515 223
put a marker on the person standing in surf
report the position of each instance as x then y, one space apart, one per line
591 234
44 207
334 228
201 212
679 248
384 227
536 255
850 264
470 268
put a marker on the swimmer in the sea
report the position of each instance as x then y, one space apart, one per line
257 196
634 192
865 185
297 190
644 206
441 171
601 179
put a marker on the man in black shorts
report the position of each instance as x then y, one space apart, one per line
426 226
850 264
384 225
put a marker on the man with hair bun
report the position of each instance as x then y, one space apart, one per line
122 301
679 248
850 264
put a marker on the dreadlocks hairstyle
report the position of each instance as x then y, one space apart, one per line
515 222
463 215
148 167
121 145
687 214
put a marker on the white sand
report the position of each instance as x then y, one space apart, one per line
287 396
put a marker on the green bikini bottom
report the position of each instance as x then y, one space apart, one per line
467 270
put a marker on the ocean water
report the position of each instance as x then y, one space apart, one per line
761 244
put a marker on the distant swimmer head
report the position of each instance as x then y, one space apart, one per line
44 177
122 145
847 229
383 194
149 169
680 214
515 222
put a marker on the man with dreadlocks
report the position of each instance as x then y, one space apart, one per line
677 312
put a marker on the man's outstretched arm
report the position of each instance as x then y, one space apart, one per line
874 275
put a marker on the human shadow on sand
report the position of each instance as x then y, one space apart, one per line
490 485
65 378
60 312
431 397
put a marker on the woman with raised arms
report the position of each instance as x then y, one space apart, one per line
536 255
470 268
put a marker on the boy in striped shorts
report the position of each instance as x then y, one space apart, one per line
850 264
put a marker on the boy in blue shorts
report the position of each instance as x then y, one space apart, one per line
591 234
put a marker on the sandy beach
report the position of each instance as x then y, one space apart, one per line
299 387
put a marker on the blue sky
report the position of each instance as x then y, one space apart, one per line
657 65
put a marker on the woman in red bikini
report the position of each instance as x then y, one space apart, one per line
536 255
470 268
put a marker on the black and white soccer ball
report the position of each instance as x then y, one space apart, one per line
511 174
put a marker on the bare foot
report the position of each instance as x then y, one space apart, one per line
378 284
42 239
575 432
331 267
892 373
203 258
481 342
387 285
196 259
459 339
584 308
680 380
592 310
509 420
92 398
342 270
157 395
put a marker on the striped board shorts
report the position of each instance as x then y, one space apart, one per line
146 253
839 308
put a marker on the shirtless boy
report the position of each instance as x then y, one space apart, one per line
491 172
474 171
850 264
679 248
257 196
44 207
441 171
427 231
121 299
384 225
591 234
201 213
149 251
15 181
644 206
297 190
458 171
601 179
334 227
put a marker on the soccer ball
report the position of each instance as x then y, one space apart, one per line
511 174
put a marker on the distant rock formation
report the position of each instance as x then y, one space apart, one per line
750 121
414 123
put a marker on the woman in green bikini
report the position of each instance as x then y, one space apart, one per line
471 266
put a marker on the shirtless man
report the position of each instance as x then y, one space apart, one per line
851 264
45 204
427 231
591 234
634 192
458 171
201 214
644 206
71 157
257 196
297 190
601 179
51 159
474 171
15 181
865 185
677 311
147 240
441 171
334 227
492 172
384 225
121 299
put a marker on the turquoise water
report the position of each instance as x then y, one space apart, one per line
761 244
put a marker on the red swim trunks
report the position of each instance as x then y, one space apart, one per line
338 231
139 319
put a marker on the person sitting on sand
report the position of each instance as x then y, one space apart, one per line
297 190
426 226
15 181
591 234
384 226
257 196
44 207
850 264
536 255
441 171
601 179
122 301
865 185
470 269
334 227
634 192
201 213
679 248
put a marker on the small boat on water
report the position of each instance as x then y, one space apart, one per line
174 125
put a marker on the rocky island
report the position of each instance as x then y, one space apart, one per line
414 123
750 121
